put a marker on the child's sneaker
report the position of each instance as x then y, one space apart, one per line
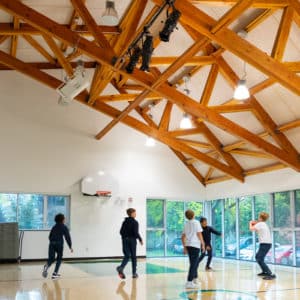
195 281
209 269
55 276
269 277
191 285
135 275
120 272
45 271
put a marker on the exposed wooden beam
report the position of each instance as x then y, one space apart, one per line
124 97
193 61
192 169
260 19
196 143
283 33
14 39
158 82
166 116
91 24
230 108
183 132
59 55
238 46
30 40
26 29
257 3
246 152
210 84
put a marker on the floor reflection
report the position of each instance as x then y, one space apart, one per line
125 296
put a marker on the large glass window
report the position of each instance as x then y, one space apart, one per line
165 223
261 203
297 250
283 241
8 208
155 228
55 205
32 211
246 236
282 210
216 216
175 224
297 208
230 228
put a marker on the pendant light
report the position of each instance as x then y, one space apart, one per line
110 16
241 91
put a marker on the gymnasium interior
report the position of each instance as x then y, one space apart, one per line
160 106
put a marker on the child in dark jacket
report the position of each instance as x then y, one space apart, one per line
56 245
129 233
207 231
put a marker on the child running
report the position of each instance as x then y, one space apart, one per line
56 245
265 244
192 240
207 231
129 233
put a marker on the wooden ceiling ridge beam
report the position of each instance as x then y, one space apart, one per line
245 50
260 113
49 26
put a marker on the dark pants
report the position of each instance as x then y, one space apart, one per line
260 257
209 256
55 248
129 250
193 254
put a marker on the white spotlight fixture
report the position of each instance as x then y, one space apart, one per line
150 142
186 122
110 16
101 173
241 91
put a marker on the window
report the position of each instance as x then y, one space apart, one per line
32 211
230 228
55 205
155 228
8 208
165 223
216 214
246 237
297 208
175 224
282 213
283 243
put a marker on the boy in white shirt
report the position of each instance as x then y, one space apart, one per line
192 240
265 244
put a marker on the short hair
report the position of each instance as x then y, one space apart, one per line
59 218
189 214
264 216
202 219
130 211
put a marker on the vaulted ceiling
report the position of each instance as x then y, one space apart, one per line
230 139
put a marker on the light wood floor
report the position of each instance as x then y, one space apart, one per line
159 279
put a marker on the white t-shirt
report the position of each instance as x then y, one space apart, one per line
191 228
263 231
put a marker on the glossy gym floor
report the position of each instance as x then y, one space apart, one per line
159 279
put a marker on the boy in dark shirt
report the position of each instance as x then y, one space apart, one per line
56 245
207 231
129 233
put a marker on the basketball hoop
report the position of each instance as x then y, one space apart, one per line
103 194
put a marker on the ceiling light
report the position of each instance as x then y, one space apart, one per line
101 173
150 142
88 179
186 122
241 91
110 16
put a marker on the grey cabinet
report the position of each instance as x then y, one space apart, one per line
9 241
